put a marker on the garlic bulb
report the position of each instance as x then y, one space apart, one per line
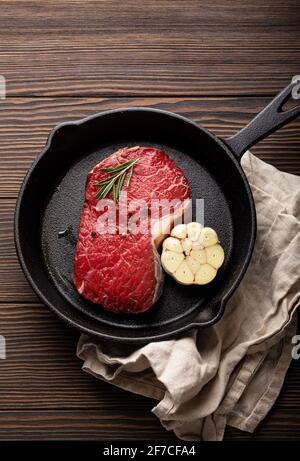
192 254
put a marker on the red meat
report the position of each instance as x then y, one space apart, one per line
121 271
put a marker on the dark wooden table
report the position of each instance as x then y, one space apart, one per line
217 62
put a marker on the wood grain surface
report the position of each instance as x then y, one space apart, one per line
217 63
158 47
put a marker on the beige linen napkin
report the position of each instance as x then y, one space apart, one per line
232 372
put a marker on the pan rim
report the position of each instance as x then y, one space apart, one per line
137 339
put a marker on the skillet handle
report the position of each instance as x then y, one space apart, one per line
267 121
216 311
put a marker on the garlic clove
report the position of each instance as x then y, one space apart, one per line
186 245
193 264
171 261
205 274
172 244
215 255
193 230
179 231
183 274
208 237
199 255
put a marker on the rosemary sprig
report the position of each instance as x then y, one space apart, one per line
115 180
119 167
128 177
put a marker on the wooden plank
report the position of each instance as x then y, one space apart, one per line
113 425
158 47
42 372
109 424
26 122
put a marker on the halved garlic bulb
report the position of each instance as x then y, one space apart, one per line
192 254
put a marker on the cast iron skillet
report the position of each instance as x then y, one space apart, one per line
52 194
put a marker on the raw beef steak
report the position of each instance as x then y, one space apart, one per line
121 270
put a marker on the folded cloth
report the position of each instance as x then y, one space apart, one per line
232 372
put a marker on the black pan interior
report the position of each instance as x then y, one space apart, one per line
54 194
